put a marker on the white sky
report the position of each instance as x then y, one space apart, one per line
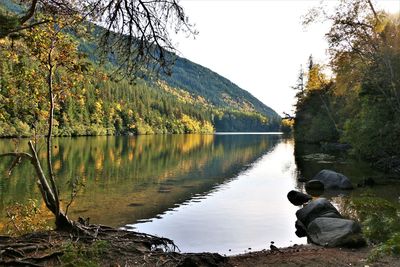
258 45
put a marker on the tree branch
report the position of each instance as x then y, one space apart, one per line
373 11
30 12
17 155
30 26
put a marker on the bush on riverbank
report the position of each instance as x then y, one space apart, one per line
381 223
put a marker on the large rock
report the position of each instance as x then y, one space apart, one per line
301 230
298 198
315 188
335 232
333 180
317 208
315 185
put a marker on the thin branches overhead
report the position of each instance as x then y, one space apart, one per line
136 34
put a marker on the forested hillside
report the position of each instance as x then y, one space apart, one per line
93 100
360 103
216 89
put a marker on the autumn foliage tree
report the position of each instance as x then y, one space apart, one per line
59 68
136 32
364 98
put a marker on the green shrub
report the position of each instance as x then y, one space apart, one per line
381 223
25 218
77 254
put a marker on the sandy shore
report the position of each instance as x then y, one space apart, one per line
310 255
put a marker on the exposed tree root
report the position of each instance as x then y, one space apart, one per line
127 248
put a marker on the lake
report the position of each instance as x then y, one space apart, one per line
222 193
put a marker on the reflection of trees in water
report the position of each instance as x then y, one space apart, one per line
118 171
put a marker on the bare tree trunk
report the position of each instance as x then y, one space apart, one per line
44 186
50 131
62 221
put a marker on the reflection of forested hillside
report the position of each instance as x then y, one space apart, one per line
131 178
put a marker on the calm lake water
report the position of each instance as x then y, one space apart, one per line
221 193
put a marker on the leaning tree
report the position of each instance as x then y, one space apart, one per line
136 33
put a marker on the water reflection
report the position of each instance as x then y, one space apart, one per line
221 193
246 212
135 178
374 202
310 159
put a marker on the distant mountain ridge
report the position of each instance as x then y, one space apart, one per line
215 88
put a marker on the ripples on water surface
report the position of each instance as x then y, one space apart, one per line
221 193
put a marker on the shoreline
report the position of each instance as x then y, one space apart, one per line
147 134
113 247
309 255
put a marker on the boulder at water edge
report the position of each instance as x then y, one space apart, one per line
301 230
314 188
335 232
315 185
333 180
317 208
298 198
